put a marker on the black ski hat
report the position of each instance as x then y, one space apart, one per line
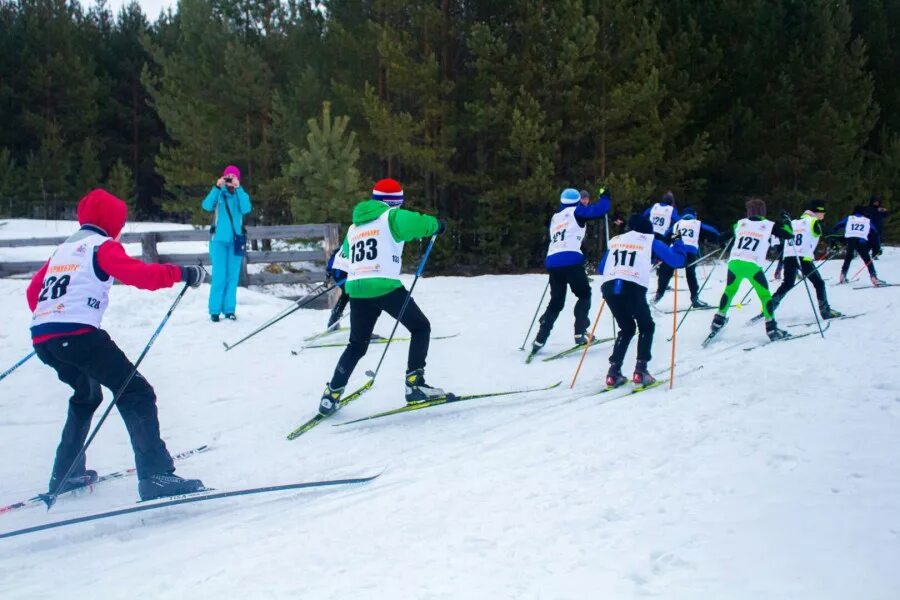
690 210
875 200
816 206
858 209
640 223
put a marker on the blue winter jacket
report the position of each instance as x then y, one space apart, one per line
674 256
582 215
239 204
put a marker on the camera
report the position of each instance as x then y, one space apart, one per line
229 179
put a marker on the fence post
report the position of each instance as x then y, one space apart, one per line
331 243
149 253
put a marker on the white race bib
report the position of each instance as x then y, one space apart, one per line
72 292
661 217
373 250
751 241
858 227
565 233
630 257
689 230
803 244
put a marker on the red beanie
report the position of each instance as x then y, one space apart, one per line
388 191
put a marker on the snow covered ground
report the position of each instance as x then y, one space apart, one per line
766 474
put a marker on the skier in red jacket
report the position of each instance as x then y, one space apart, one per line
68 297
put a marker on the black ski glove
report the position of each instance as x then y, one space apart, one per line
442 227
193 275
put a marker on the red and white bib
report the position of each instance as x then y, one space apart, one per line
72 292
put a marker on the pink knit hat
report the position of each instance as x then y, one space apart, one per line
232 170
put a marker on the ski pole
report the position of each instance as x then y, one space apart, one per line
16 366
815 312
298 304
536 311
865 266
50 498
588 346
674 330
705 281
373 374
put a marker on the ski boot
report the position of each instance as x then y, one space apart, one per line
642 377
582 338
656 299
696 302
878 282
331 400
231 316
535 348
417 391
715 327
167 484
74 482
214 318
827 312
614 377
842 279
774 333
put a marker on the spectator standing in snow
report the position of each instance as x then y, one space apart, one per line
228 244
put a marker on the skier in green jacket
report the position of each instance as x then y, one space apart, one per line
374 247
748 255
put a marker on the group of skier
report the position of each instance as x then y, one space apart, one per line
70 294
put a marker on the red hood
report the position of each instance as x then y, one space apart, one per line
103 210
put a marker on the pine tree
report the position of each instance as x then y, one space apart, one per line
120 182
329 182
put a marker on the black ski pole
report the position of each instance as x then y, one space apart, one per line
50 498
298 304
533 319
373 374
705 281
16 366
815 269
811 303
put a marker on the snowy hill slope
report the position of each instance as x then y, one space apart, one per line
766 474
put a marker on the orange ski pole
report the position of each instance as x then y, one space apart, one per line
590 339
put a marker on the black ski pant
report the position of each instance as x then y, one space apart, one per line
364 312
861 247
86 362
792 264
628 303
665 275
574 277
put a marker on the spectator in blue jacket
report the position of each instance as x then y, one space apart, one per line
691 231
565 261
227 247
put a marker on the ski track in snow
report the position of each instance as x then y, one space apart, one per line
770 474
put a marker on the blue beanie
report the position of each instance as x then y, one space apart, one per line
570 196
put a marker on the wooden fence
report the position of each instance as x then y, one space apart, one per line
327 232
